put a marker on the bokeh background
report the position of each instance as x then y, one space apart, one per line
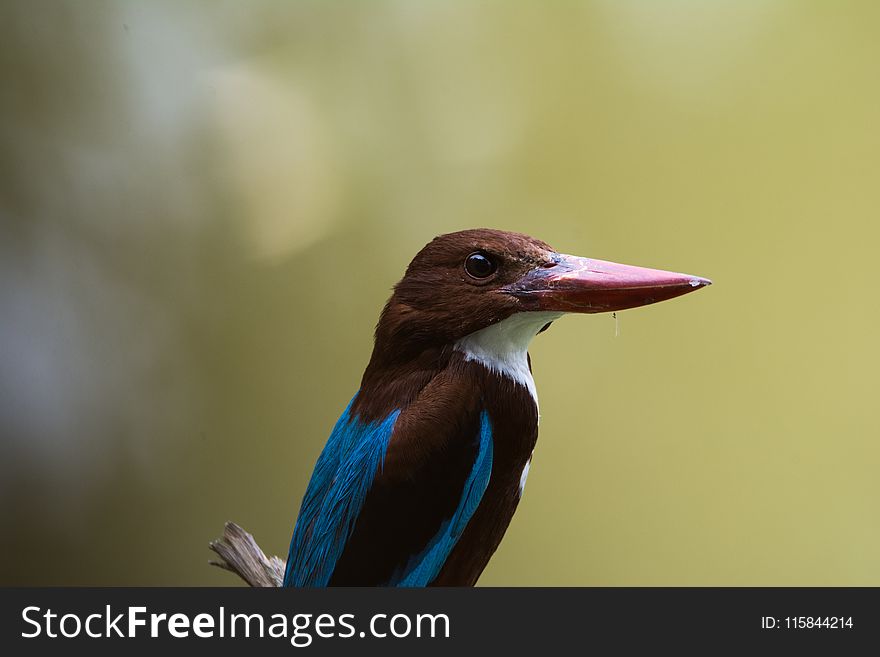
204 206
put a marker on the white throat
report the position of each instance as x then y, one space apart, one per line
504 347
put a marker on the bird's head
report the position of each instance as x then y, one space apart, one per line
463 282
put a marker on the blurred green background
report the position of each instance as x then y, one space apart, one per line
204 206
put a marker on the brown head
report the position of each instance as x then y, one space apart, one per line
463 282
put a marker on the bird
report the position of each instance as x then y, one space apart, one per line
424 469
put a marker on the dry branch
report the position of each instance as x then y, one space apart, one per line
240 554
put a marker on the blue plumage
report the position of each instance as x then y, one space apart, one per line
341 481
335 495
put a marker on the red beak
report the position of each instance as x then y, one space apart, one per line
582 285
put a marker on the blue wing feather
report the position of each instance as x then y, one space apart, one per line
342 478
336 492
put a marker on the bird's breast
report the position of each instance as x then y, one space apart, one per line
513 414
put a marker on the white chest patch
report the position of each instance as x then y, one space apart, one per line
504 347
524 476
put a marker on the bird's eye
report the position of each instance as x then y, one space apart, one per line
479 265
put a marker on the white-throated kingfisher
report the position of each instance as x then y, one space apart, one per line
424 469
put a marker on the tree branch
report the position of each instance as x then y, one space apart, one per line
240 554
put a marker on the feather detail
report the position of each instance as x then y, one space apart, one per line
424 567
342 477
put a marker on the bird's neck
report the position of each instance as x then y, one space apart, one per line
395 376
503 348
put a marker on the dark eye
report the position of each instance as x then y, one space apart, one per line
479 265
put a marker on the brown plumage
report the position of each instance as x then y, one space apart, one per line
450 357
